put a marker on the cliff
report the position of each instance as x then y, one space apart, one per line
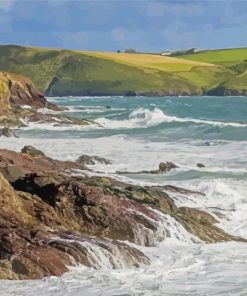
20 101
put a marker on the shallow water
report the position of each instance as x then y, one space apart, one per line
137 134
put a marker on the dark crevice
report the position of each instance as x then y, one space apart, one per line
47 192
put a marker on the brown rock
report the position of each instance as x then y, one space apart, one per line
91 160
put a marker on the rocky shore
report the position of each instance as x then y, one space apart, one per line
51 219
20 102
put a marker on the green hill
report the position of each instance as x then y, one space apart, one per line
234 59
65 72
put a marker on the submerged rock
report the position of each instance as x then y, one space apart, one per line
184 191
7 132
200 165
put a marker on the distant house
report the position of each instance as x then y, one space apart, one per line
179 52
166 53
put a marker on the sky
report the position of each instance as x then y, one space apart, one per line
146 25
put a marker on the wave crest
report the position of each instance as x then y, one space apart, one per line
144 118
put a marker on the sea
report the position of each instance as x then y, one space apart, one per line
137 133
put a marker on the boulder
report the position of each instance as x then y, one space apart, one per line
165 167
30 150
91 160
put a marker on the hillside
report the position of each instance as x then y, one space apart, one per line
229 58
234 59
65 72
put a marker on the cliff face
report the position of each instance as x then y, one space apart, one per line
15 93
4 94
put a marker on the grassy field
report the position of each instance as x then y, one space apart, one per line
224 57
158 62
66 72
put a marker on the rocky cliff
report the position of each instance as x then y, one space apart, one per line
15 92
20 100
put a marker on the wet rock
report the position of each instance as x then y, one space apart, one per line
93 252
181 190
91 160
108 107
91 210
50 219
200 165
7 132
28 249
57 120
165 167
202 217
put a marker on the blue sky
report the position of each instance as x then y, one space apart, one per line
147 25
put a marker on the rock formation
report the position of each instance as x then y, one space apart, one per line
20 100
50 219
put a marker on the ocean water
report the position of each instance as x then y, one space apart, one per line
137 133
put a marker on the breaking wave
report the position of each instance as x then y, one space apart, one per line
143 118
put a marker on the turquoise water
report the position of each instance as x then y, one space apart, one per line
159 119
